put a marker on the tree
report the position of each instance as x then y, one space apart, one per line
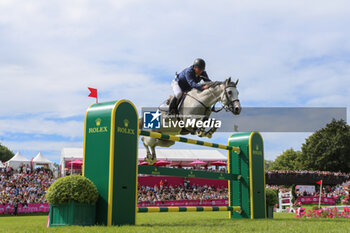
5 153
328 149
268 164
288 160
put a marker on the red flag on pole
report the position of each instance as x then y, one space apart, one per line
319 199
93 93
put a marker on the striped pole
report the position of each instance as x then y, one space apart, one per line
187 209
188 140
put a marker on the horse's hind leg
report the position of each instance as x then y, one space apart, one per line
154 156
149 155
162 143
165 143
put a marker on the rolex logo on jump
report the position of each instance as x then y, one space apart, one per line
98 128
257 150
98 121
126 123
125 129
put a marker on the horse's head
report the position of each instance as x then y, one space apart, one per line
229 97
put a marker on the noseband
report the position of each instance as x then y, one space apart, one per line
230 106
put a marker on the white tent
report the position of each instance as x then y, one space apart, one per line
41 160
69 155
17 161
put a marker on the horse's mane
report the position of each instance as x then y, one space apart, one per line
214 84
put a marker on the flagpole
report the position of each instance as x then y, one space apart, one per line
93 93
319 200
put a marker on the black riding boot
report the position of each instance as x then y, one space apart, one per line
173 106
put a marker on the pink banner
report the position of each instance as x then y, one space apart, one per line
30 208
314 200
214 202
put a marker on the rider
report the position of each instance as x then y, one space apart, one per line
188 79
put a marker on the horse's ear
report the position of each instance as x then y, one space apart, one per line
236 82
228 80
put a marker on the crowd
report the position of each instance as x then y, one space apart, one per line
340 192
24 186
311 173
328 177
207 169
305 177
165 192
280 188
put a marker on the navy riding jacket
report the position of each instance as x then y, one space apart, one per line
187 79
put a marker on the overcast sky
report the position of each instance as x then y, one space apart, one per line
285 53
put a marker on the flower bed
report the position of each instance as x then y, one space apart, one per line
324 212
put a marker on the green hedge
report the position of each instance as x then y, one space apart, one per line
271 197
72 188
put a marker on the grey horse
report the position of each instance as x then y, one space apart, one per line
196 106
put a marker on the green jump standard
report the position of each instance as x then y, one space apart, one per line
111 138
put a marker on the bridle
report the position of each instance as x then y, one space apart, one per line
228 107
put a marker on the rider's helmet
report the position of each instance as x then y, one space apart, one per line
199 63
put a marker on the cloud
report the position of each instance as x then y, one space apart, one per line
40 126
50 149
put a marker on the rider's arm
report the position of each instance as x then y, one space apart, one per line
205 77
189 75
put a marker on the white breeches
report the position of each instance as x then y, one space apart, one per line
176 89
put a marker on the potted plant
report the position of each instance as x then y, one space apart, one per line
271 201
72 201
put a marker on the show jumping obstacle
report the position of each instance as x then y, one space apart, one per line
111 140
187 209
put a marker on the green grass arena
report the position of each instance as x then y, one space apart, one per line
186 222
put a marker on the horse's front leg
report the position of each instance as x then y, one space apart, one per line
200 132
210 132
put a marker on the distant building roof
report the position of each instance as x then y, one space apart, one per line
185 156
71 153
176 156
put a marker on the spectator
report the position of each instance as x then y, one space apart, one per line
16 207
152 194
24 187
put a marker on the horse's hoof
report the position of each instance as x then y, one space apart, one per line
152 162
149 161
